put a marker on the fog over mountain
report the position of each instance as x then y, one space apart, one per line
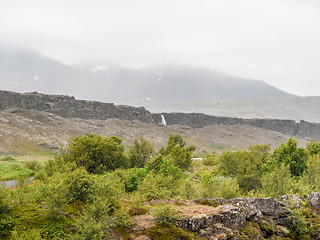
27 70
159 88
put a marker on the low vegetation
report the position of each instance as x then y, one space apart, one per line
93 188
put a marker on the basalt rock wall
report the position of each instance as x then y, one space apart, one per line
69 107
199 120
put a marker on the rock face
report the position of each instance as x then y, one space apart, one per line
268 216
314 200
199 120
69 107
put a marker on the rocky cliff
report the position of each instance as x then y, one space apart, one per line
69 107
289 217
199 120
255 218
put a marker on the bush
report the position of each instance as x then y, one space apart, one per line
95 222
188 188
123 218
8 158
298 224
140 153
278 182
131 177
165 215
209 159
95 153
66 188
289 154
33 165
218 187
4 207
246 166
79 185
156 186
310 180
178 153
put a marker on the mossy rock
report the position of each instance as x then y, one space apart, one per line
170 232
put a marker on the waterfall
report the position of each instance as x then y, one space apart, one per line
163 120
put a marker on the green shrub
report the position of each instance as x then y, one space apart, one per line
131 177
170 232
140 153
122 218
32 234
16 167
289 154
164 214
95 153
88 228
79 185
179 154
4 206
157 186
218 187
246 166
188 188
298 224
95 223
33 165
8 159
209 159
278 182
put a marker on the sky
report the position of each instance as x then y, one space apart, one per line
277 41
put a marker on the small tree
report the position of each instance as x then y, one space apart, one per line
176 150
246 166
95 153
278 182
140 153
289 154
313 148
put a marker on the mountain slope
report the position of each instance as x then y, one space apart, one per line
28 130
28 70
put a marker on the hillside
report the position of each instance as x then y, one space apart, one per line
29 130
69 107
159 88
28 70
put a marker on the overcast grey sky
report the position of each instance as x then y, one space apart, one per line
277 41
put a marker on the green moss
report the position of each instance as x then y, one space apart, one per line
123 232
208 202
251 230
268 228
170 232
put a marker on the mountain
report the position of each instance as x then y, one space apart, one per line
28 70
159 88
178 83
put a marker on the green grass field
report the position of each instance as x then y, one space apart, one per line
17 166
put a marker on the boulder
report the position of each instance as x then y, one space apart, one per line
314 200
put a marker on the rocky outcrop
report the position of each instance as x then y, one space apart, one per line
69 107
265 217
199 120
